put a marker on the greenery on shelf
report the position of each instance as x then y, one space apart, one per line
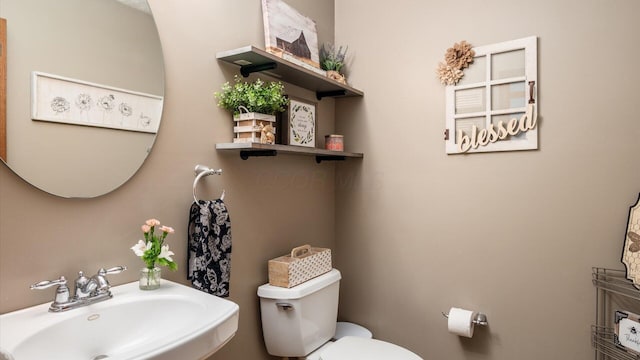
330 59
258 96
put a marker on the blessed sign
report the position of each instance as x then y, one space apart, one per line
492 91
492 133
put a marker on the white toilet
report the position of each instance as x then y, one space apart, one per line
301 321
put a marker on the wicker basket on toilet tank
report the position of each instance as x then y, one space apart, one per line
302 264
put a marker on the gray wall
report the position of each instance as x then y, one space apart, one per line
275 203
511 234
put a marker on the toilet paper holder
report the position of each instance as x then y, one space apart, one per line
480 319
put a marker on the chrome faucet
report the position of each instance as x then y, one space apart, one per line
87 290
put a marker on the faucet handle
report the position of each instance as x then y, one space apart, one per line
113 270
62 293
101 279
49 283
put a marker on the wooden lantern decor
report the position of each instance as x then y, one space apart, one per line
254 128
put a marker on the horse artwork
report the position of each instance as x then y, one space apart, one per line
290 35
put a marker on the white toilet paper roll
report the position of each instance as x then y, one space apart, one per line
461 322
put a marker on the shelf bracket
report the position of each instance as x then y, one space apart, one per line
320 158
321 94
246 70
245 154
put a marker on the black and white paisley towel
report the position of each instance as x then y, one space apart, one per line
209 242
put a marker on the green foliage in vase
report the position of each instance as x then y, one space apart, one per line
330 59
258 96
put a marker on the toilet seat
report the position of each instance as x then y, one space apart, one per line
344 328
357 348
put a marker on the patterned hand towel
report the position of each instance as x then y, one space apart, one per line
209 241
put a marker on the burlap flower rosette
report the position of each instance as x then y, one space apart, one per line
456 58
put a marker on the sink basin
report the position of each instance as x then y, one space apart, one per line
173 322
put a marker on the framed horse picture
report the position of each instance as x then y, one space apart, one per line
290 35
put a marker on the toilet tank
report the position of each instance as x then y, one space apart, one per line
298 320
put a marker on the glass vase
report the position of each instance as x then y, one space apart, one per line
150 278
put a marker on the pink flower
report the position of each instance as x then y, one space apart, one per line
167 229
152 222
146 228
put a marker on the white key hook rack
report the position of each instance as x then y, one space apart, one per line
202 171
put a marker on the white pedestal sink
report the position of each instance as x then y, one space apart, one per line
173 322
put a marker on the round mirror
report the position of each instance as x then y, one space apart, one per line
84 92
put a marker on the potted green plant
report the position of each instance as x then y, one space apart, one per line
333 61
254 106
258 96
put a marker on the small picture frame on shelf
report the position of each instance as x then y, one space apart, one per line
301 124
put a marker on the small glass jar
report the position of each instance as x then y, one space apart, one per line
150 278
334 142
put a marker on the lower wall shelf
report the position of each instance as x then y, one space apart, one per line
256 149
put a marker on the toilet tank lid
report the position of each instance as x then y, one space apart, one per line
267 291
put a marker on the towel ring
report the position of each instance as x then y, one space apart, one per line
202 171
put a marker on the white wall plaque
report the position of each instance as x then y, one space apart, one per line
59 99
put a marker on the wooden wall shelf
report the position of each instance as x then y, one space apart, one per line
251 59
248 150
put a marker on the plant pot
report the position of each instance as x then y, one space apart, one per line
248 128
150 278
334 75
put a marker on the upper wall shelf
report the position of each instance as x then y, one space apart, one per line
251 59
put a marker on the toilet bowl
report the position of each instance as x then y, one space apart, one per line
300 322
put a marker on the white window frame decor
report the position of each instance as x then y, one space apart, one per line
520 132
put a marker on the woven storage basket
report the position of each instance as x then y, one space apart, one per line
304 263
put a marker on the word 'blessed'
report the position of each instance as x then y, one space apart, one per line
493 133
